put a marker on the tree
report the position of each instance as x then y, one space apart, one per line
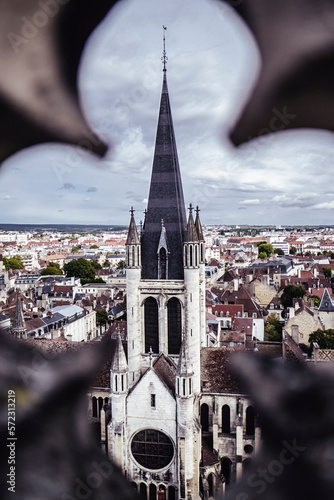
266 248
121 264
262 255
291 292
76 249
324 338
52 269
94 246
273 328
293 250
80 268
14 262
327 271
316 299
278 251
106 263
101 317
95 264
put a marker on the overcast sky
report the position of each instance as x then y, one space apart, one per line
213 61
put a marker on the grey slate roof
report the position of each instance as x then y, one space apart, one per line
165 200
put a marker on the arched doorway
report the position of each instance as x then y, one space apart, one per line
143 491
153 492
225 469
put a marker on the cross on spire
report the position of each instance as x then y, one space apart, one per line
164 56
131 211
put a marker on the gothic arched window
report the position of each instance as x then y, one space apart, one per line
205 417
174 325
226 419
250 421
151 325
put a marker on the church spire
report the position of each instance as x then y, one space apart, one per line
165 196
19 326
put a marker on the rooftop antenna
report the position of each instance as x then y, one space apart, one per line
164 57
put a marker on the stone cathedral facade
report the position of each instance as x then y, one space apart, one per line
174 432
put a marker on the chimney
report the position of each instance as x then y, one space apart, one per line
295 333
299 272
291 312
235 285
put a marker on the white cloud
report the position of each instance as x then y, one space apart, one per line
250 202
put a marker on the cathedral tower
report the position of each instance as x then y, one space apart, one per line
165 322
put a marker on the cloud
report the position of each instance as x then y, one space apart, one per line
329 205
68 185
7 197
304 200
87 199
250 202
91 190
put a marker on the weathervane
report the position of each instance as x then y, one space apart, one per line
164 57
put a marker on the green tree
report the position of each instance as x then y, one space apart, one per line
278 251
316 299
76 249
94 246
106 263
291 292
327 271
80 268
262 255
101 316
121 264
293 250
324 338
273 328
95 264
266 248
52 269
14 262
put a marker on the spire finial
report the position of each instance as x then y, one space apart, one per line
164 57
131 211
190 208
197 210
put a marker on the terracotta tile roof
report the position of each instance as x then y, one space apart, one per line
215 371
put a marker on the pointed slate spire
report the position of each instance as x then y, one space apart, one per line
165 199
191 229
326 303
198 225
119 363
163 238
133 238
19 326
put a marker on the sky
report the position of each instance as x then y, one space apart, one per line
213 62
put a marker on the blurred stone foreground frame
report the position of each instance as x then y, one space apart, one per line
56 456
